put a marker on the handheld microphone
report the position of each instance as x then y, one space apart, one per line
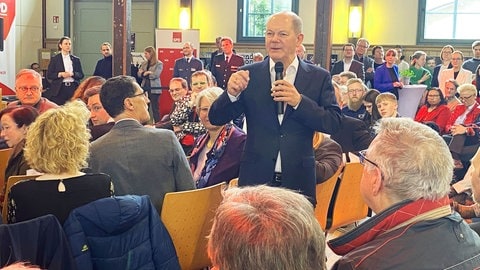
279 76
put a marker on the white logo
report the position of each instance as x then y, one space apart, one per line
3 8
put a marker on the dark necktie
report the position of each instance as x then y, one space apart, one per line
226 58
188 60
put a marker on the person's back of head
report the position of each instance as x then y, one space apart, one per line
265 227
114 92
58 140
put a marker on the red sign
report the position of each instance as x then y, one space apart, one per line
7 9
176 37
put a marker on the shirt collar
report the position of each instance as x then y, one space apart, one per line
293 67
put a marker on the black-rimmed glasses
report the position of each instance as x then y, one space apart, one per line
363 158
144 93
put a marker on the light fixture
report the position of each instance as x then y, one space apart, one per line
185 14
355 22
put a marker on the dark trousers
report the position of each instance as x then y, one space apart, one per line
65 93
154 102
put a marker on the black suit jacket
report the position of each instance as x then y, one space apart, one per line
318 110
223 70
436 72
356 67
56 65
353 135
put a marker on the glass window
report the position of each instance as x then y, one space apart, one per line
451 21
253 14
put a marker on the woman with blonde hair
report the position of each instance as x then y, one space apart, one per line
57 146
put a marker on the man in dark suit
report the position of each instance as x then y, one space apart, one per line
184 67
368 63
65 72
226 63
104 66
348 63
279 150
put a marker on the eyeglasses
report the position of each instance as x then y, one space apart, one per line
355 90
363 158
25 89
145 94
465 98
198 83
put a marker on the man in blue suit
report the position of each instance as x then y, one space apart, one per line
184 67
278 150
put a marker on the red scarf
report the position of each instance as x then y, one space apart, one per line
378 225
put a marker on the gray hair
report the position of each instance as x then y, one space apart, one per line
262 227
211 94
414 160
296 20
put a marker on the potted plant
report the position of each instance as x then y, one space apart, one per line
405 76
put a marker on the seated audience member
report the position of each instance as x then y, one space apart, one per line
462 76
216 155
414 226
86 84
356 90
451 87
387 105
14 124
101 121
422 75
178 88
28 86
386 76
353 136
257 57
184 118
435 110
475 179
461 128
141 160
345 76
372 115
265 227
45 83
328 157
59 152
477 78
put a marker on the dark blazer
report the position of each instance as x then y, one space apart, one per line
367 63
356 67
223 70
185 70
353 135
436 73
104 67
318 110
56 65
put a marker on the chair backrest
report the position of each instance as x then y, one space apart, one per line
324 193
348 204
4 157
12 180
188 216
233 183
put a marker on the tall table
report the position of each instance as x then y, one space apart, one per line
408 99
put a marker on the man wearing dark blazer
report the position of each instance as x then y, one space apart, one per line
226 63
348 63
184 67
368 63
279 150
65 72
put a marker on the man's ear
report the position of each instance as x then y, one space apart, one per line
377 182
127 104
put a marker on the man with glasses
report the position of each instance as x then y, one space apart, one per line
141 160
28 88
362 57
348 63
406 183
356 91
185 66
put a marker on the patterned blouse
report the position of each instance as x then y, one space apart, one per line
184 115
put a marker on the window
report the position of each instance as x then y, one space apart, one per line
253 14
451 21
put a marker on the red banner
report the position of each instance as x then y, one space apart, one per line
7 56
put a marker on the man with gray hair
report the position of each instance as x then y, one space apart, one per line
406 180
266 227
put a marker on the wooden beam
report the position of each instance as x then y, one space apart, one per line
122 57
323 37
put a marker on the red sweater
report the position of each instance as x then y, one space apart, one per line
439 115
469 120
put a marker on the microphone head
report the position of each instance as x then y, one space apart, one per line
278 67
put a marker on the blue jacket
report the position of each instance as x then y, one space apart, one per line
123 232
382 80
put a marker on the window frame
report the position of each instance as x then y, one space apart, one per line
240 13
422 5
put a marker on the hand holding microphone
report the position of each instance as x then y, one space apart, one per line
279 76
283 91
